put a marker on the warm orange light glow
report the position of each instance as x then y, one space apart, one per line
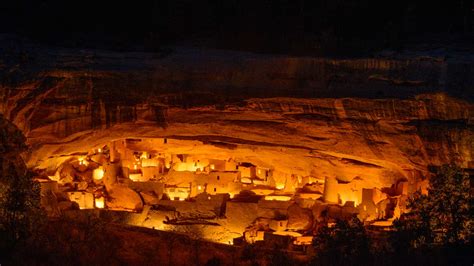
85 200
83 161
351 197
287 233
246 180
303 240
100 203
188 166
278 197
98 173
135 177
280 186
143 175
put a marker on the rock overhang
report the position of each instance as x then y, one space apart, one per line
282 104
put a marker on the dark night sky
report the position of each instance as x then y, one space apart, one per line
253 24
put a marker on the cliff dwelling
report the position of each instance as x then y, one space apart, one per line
247 168
274 165
193 181
212 152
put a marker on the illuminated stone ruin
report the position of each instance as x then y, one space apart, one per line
224 193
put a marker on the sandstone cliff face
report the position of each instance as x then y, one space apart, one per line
378 119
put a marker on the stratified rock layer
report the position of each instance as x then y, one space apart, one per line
297 115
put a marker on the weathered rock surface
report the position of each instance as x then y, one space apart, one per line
261 108
149 198
242 214
122 197
65 174
299 218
